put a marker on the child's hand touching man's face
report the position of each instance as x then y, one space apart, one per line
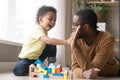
80 32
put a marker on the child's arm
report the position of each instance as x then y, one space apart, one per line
54 41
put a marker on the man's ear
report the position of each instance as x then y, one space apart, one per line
86 26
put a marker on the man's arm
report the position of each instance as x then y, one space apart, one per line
75 67
104 53
77 63
102 56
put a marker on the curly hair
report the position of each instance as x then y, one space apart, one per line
43 10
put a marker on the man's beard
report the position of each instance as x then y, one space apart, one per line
80 36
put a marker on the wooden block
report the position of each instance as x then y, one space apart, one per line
49 70
46 76
53 70
34 74
44 67
57 74
41 75
31 69
42 70
65 76
58 68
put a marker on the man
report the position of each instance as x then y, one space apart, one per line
92 50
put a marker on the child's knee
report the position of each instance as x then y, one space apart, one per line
18 72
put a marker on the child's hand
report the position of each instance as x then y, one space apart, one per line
74 38
69 40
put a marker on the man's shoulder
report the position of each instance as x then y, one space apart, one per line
107 35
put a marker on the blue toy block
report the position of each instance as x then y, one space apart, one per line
57 74
44 67
49 70
51 65
38 61
46 76
41 75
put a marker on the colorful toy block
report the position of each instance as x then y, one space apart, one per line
51 71
35 74
44 67
46 76
42 70
41 75
57 74
51 65
58 68
38 61
33 71
65 74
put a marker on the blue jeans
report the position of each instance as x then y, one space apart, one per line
22 66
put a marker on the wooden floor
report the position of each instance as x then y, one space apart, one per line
11 76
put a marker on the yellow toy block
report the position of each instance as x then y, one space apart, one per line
65 76
42 70
53 70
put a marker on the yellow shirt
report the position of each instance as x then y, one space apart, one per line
33 48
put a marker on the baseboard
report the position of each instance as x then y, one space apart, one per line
7 66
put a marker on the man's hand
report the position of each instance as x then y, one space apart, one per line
91 73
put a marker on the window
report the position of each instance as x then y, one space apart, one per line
3 17
18 18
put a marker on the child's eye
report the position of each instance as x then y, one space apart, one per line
50 19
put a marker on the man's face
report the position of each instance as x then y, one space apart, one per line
78 23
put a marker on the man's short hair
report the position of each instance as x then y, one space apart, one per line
88 16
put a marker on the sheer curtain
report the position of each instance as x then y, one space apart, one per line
3 17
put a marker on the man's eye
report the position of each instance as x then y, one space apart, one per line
75 24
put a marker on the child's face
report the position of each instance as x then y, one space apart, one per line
48 20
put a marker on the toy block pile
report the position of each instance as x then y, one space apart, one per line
39 70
